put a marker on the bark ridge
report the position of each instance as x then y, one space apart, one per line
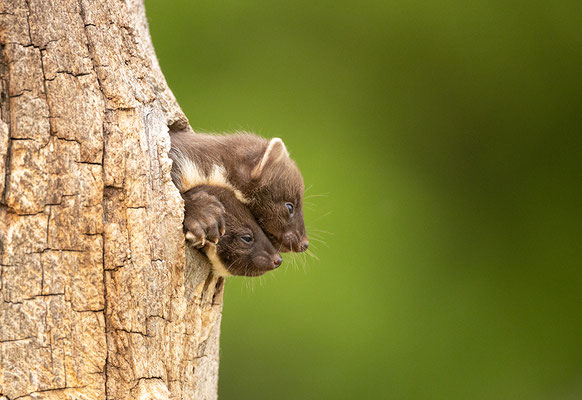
99 297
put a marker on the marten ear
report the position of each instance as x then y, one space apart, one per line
275 151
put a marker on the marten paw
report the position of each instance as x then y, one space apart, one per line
204 219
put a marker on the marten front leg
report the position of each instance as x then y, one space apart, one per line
204 217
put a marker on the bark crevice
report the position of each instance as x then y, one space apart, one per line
100 296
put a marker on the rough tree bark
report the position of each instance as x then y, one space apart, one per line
97 299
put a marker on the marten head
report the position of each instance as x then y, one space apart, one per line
243 249
276 198
262 172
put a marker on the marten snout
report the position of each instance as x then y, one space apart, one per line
278 261
267 260
292 241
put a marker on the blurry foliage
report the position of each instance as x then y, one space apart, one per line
442 143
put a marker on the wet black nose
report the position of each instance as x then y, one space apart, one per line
278 261
304 245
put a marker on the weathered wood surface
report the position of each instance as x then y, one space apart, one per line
96 298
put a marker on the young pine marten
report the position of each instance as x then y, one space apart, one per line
243 249
258 171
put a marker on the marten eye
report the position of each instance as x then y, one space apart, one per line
290 208
246 238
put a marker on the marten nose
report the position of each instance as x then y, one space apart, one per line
304 245
278 261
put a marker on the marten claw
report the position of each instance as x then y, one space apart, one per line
204 218
213 232
197 242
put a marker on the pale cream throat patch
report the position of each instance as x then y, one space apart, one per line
217 265
191 176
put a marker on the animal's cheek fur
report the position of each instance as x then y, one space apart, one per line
262 262
239 261
229 256
298 224
275 225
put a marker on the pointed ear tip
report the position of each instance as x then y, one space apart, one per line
276 141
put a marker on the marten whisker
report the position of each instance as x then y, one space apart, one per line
323 242
297 262
304 262
294 262
321 237
289 259
319 231
315 195
327 214
312 254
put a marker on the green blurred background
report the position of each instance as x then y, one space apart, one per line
442 144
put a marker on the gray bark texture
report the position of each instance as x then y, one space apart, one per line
99 297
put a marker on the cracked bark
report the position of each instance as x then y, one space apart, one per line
99 298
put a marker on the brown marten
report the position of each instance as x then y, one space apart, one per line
243 248
258 171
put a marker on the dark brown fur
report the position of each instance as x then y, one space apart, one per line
236 255
267 189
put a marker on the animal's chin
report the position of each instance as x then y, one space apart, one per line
252 273
257 269
257 272
278 243
285 248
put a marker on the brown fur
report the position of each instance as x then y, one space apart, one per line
235 255
266 182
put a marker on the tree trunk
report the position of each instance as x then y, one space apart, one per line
99 298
